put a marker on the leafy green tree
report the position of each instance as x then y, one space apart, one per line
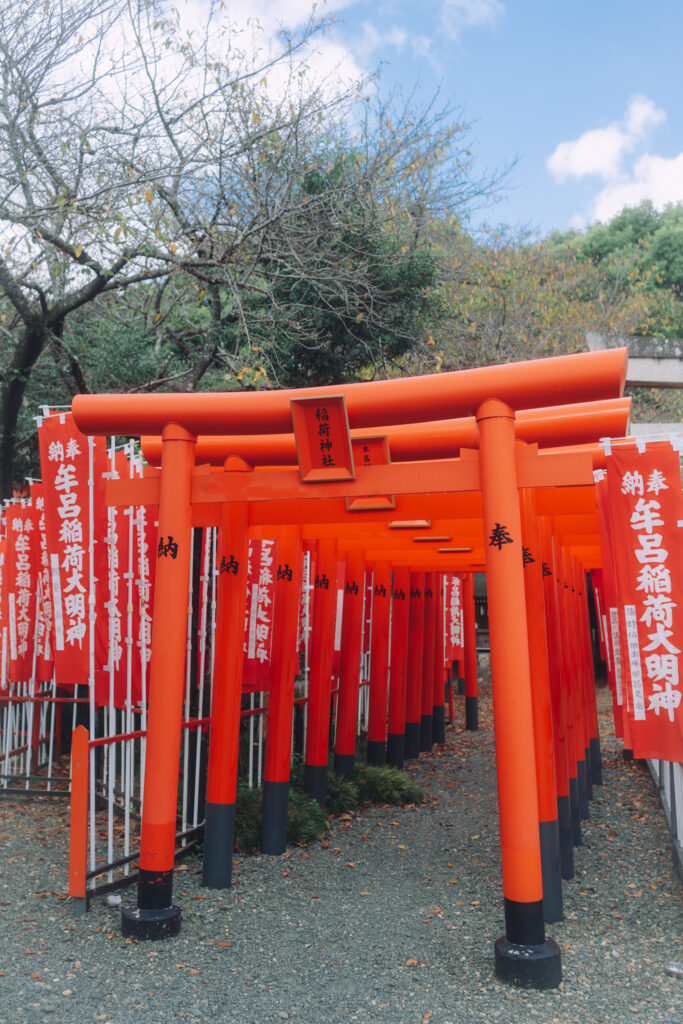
639 255
638 260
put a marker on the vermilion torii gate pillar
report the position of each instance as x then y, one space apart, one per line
558 705
542 714
221 786
523 956
379 664
439 675
428 657
320 670
281 694
155 916
415 655
349 679
399 666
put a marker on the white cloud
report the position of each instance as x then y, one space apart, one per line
457 15
657 178
605 153
422 46
373 40
253 26
601 151
643 116
595 152
273 14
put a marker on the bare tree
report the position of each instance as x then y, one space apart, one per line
232 197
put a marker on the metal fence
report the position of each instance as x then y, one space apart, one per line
668 777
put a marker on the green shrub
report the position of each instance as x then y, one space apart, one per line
383 784
306 821
247 818
342 794
296 776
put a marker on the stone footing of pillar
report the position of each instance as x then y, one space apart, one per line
439 723
157 918
412 740
575 811
395 749
315 782
596 761
472 713
538 967
564 821
584 801
219 835
426 738
549 835
343 765
376 752
145 925
524 956
589 772
274 819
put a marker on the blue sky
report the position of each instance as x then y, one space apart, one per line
585 94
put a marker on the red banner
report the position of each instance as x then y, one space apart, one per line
601 618
22 586
145 540
610 612
305 603
69 460
339 617
646 512
4 637
44 666
452 599
113 682
202 652
259 618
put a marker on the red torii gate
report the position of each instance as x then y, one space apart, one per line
523 955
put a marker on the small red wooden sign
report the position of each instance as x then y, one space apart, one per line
371 451
323 442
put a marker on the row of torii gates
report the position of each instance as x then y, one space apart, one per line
483 456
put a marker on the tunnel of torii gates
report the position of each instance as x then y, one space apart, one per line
453 472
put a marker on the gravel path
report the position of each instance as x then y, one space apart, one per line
392 919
